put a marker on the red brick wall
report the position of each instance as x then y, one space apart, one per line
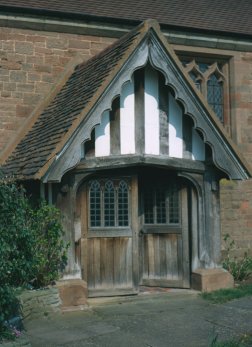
236 214
236 197
30 63
241 106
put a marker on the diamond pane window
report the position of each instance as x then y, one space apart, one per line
161 204
215 95
109 204
173 204
95 204
210 77
123 204
148 207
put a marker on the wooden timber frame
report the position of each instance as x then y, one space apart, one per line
65 172
96 255
200 247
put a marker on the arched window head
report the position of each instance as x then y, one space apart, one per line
195 73
108 203
196 79
208 77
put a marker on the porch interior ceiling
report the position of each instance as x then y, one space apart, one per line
59 127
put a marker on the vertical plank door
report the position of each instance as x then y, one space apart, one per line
110 239
164 255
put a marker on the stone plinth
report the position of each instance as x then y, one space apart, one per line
73 293
207 280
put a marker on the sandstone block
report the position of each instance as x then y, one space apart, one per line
56 43
24 47
18 76
79 44
72 292
207 280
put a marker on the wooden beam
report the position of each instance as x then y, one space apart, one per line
139 110
115 127
113 162
163 115
187 125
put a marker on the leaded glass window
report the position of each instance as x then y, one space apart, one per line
215 95
108 203
195 79
123 204
209 78
161 204
173 204
149 206
95 204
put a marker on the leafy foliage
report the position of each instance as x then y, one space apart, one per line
241 269
49 248
9 307
32 250
16 237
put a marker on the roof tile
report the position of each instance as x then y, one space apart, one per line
40 142
226 16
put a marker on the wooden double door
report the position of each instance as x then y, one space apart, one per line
135 232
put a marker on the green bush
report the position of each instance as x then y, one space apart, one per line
32 251
49 248
241 269
17 243
9 307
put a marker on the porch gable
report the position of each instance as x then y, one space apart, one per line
115 109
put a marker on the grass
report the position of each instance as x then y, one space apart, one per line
244 341
224 295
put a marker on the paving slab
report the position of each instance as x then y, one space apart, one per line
152 320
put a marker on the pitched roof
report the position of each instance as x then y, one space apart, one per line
219 16
61 119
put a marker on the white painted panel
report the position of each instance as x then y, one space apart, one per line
175 129
151 122
127 119
198 146
102 136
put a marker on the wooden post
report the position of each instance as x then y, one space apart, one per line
135 232
42 190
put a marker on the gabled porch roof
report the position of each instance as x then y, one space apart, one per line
50 146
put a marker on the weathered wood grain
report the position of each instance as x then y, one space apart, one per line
139 110
115 127
163 115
